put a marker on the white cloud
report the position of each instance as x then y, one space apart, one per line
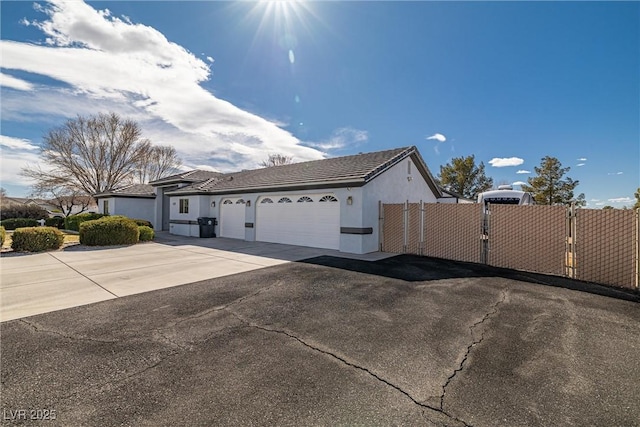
16 153
621 200
210 59
17 143
109 63
438 137
580 164
582 159
341 138
497 162
615 173
594 200
519 183
14 83
523 171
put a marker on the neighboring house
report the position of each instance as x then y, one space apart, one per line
47 205
331 203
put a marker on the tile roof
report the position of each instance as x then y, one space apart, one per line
196 175
352 170
132 190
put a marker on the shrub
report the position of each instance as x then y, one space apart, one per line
56 222
36 239
142 222
109 231
23 211
3 235
13 223
73 222
146 233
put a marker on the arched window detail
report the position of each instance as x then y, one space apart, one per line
305 199
285 200
227 202
267 200
240 202
328 199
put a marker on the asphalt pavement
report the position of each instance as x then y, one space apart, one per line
400 341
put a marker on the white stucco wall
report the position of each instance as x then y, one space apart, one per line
198 207
132 207
396 185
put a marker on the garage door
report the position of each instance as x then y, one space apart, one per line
305 220
231 221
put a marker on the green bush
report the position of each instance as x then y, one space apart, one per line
13 223
142 222
73 222
3 235
109 230
56 222
36 239
146 233
23 211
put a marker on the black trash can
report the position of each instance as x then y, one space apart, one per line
207 226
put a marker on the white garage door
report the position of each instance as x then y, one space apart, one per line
231 220
305 220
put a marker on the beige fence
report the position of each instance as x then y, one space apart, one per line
593 245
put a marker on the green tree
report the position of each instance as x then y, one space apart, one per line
464 177
607 207
637 194
550 187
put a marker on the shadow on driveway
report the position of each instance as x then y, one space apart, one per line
414 268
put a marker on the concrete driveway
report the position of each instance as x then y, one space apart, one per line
400 341
40 283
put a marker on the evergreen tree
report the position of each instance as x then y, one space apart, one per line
464 177
550 187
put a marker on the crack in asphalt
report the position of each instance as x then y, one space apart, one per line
475 342
39 328
350 364
224 306
118 380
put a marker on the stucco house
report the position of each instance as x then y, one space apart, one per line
331 203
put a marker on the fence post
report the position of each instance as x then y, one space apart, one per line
570 242
421 244
637 249
380 225
405 219
484 233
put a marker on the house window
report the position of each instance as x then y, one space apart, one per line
267 200
184 206
328 199
305 199
284 200
105 207
409 167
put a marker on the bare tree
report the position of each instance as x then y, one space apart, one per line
68 199
92 154
276 160
162 160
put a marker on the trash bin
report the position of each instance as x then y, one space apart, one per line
207 226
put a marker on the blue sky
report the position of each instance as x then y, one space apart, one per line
227 83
